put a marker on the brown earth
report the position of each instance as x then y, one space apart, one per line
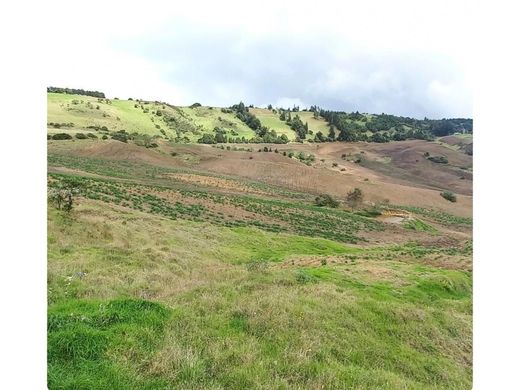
391 173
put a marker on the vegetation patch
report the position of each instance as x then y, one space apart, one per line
97 344
449 196
418 225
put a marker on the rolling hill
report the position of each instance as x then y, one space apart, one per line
189 265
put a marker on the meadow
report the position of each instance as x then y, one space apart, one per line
185 266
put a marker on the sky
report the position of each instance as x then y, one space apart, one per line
401 57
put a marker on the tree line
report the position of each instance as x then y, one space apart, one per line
75 91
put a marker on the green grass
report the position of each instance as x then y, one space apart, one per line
315 125
94 344
208 119
272 120
118 115
437 216
418 225
215 322
62 110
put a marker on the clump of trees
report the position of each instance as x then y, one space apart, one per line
120 135
449 196
263 133
242 113
62 193
355 198
384 128
325 200
75 91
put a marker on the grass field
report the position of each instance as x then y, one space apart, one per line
315 125
197 267
82 111
214 117
272 120
140 301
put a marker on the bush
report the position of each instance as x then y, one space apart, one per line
303 277
91 135
335 164
449 196
326 200
61 136
49 136
438 159
355 198
120 136
104 136
81 136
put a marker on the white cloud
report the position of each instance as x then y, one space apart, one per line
368 56
288 102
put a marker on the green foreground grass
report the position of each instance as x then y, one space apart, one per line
140 301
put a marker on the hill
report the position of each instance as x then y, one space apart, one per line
187 265
88 112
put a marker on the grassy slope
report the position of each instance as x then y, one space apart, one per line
62 110
221 321
272 120
314 124
209 119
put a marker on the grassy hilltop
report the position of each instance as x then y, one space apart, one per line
184 265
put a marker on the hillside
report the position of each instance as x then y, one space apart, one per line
72 113
244 264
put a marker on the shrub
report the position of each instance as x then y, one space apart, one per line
61 136
81 136
326 200
195 105
120 136
355 198
91 135
335 164
449 196
104 128
438 159
49 136
173 154
104 136
303 277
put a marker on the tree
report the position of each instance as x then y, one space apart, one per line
326 200
449 196
354 198
207 139
63 193
332 133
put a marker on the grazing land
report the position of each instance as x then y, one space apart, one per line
189 265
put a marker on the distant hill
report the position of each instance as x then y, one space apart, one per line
76 110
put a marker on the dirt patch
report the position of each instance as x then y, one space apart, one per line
219 183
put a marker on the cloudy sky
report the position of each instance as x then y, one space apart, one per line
403 57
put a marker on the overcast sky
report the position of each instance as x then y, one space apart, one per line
408 58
